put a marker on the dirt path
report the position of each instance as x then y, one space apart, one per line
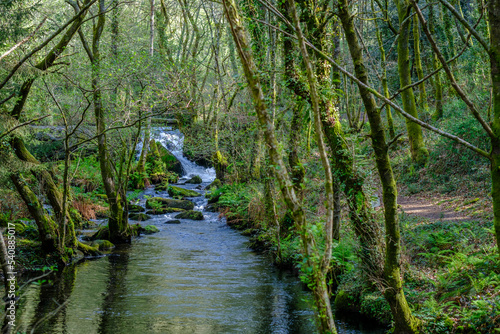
429 210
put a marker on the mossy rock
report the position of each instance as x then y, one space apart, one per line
102 244
159 202
163 211
135 229
158 178
212 207
193 215
171 162
214 198
150 229
178 192
162 186
195 180
216 184
101 234
139 216
135 208
173 221
102 196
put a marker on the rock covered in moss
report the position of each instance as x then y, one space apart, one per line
162 211
139 216
102 244
173 221
162 186
211 207
171 162
166 177
150 229
195 180
135 208
193 215
159 202
214 198
178 192
216 184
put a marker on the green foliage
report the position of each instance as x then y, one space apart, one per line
87 175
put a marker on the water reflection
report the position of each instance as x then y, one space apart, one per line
194 277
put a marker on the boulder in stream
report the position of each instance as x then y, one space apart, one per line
178 192
102 244
150 229
162 211
139 216
161 203
216 184
171 162
211 207
173 221
193 215
195 180
135 208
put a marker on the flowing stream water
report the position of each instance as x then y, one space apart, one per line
193 277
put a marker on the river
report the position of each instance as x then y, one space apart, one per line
193 277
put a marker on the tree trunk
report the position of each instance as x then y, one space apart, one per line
422 95
47 229
419 152
438 87
286 185
494 27
404 321
118 217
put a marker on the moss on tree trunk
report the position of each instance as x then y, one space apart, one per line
419 152
404 321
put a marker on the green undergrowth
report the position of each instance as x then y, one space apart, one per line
452 275
451 269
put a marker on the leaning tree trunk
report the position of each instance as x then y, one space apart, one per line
47 228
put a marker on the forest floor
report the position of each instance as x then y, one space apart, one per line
430 209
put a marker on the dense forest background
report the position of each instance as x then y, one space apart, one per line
318 116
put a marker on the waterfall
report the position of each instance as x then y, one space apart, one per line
173 140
